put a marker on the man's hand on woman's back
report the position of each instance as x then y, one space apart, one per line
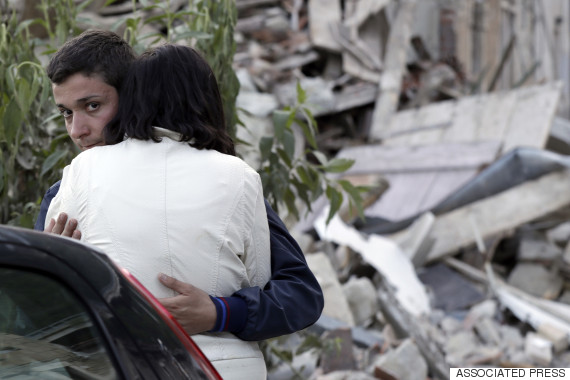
192 307
64 227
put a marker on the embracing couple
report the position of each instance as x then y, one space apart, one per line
159 188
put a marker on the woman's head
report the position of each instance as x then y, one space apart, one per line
172 87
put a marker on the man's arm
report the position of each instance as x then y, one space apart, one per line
289 302
44 206
292 299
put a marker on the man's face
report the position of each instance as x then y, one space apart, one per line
87 104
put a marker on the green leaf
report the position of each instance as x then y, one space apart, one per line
280 119
284 157
309 177
301 94
354 194
285 355
310 119
289 198
352 190
52 161
133 22
9 75
335 198
303 192
289 144
12 121
23 25
304 175
308 132
310 342
321 157
338 165
265 145
318 180
24 95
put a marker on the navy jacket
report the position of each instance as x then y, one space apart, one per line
291 300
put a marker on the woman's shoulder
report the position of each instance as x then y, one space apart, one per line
92 158
226 159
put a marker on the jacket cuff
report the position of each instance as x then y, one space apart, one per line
231 314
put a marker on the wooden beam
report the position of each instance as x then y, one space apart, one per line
394 68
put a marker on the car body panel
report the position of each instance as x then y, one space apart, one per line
139 341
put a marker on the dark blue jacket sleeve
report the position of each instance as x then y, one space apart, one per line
49 195
291 300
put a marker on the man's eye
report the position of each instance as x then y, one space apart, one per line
65 113
92 106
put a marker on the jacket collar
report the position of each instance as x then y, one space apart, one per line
163 132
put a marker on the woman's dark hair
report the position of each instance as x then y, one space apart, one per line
171 87
93 52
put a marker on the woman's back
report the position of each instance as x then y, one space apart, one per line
196 215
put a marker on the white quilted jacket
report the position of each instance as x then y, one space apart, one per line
196 215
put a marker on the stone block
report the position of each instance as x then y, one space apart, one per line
404 363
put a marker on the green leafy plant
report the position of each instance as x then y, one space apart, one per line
31 144
288 177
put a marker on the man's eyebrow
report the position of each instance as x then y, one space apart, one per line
85 99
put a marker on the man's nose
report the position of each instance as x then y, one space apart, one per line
78 127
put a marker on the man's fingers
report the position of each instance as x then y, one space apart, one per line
174 284
170 302
49 227
69 228
59 224
76 235
64 227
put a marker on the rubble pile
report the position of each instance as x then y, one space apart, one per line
463 259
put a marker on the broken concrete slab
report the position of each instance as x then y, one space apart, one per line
385 256
336 304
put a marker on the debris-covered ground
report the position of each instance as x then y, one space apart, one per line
458 113
463 259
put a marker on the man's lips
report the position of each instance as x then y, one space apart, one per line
85 147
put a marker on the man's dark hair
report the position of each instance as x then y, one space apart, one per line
172 87
93 52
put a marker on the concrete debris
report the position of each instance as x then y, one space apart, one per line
405 362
